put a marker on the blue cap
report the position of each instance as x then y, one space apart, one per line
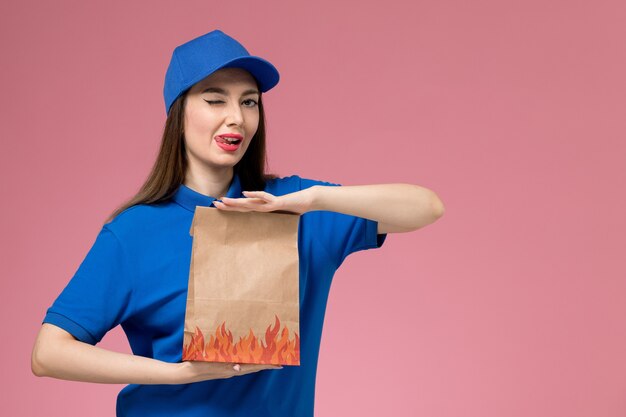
194 60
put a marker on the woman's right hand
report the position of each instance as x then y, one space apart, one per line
196 371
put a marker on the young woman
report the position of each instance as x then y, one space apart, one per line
136 273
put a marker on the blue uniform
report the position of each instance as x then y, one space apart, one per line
136 275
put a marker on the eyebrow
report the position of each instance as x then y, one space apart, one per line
224 92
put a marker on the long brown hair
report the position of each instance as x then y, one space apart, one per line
168 171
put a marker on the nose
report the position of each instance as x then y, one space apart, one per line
234 114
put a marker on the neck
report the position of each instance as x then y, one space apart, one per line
210 182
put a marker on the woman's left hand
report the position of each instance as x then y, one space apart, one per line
297 202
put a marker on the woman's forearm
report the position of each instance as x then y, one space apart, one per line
58 354
78 361
404 205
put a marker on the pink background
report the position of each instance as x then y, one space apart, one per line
512 304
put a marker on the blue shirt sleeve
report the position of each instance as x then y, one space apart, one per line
98 297
340 233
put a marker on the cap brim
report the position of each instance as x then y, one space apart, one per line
265 73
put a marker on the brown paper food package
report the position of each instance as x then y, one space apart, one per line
243 295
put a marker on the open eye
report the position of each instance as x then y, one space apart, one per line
254 103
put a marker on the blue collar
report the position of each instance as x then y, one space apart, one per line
189 198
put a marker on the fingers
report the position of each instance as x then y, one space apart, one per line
245 204
253 201
246 366
253 367
260 194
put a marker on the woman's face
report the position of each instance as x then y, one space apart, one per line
224 102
